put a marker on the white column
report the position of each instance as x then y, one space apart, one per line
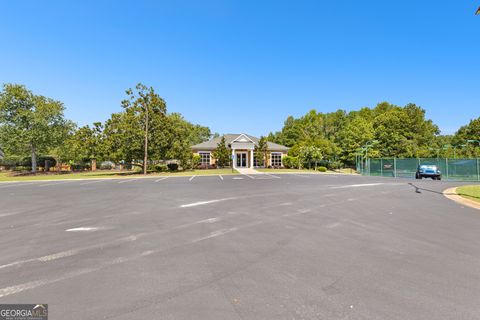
251 159
233 158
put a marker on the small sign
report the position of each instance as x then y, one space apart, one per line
23 311
387 166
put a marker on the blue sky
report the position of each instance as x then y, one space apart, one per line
244 66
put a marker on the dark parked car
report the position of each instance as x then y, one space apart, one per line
428 171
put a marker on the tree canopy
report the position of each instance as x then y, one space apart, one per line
30 124
400 131
144 132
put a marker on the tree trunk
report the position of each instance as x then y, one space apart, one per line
34 159
145 156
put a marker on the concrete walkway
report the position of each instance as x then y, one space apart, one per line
248 171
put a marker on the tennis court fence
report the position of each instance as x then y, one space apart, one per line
451 169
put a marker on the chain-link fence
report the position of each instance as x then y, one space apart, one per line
451 169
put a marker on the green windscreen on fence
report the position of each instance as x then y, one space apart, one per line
451 169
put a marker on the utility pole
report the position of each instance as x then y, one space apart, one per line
145 155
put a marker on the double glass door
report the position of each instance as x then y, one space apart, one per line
242 159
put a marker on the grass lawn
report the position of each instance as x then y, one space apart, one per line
470 192
5 176
302 171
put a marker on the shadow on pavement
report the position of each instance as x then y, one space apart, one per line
419 190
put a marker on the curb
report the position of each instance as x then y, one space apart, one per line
451 193
118 178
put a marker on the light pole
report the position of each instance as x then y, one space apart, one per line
369 144
473 141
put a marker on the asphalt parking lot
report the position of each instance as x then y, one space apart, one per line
239 247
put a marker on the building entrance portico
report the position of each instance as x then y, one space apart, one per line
242 152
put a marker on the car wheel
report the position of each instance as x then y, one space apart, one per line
417 176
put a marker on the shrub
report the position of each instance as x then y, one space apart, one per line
322 169
160 167
79 167
42 159
22 168
290 162
107 165
172 167
195 161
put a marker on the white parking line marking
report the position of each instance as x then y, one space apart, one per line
191 178
15 185
127 180
68 253
215 234
332 225
90 182
201 203
220 176
37 283
83 229
163 178
271 175
301 175
249 176
8 214
237 178
358 185
209 220
54 183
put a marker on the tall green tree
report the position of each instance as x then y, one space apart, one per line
87 143
309 155
222 154
145 107
261 151
467 139
30 124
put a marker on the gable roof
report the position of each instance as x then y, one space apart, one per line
230 137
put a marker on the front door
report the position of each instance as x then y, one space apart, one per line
242 160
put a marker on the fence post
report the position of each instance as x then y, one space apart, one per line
394 167
381 167
446 166
478 169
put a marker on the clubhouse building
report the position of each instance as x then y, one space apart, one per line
242 146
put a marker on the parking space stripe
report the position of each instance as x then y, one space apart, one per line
271 175
161 179
191 178
220 176
54 183
90 182
127 180
15 185
300 175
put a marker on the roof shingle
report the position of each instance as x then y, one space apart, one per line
229 137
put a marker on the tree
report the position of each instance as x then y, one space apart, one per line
471 132
222 154
145 107
309 155
261 151
30 124
402 132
